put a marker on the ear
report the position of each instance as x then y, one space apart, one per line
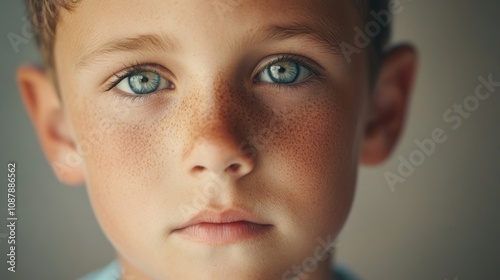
45 110
389 103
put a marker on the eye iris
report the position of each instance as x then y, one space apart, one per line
284 72
144 82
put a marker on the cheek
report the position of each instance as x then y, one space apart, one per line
315 155
125 167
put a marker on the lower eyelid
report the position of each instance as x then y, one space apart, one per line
125 97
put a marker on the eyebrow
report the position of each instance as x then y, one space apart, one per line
328 36
139 43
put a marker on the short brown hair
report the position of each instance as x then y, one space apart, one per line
44 16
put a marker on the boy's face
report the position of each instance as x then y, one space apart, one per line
179 107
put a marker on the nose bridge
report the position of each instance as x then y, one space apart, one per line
216 133
218 114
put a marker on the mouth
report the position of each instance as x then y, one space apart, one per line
230 226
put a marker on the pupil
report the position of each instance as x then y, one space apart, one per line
281 70
144 79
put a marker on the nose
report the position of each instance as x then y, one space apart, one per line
219 156
216 140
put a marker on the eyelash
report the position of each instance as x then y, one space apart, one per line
138 67
131 70
296 86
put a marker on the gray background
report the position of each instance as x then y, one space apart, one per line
441 223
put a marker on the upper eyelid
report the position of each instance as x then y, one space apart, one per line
303 61
130 71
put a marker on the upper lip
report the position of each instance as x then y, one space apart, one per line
223 217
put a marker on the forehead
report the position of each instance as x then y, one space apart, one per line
93 23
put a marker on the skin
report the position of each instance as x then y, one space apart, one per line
146 162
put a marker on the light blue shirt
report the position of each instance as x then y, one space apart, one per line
112 272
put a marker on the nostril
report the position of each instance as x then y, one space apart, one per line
198 168
234 167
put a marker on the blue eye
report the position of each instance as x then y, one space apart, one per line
143 82
284 71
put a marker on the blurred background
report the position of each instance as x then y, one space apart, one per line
439 222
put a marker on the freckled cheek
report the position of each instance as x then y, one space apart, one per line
134 155
317 149
126 164
129 191
118 139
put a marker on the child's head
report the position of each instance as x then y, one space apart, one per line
167 109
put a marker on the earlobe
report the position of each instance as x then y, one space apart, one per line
45 110
389 104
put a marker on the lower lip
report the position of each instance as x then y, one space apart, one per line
221 233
